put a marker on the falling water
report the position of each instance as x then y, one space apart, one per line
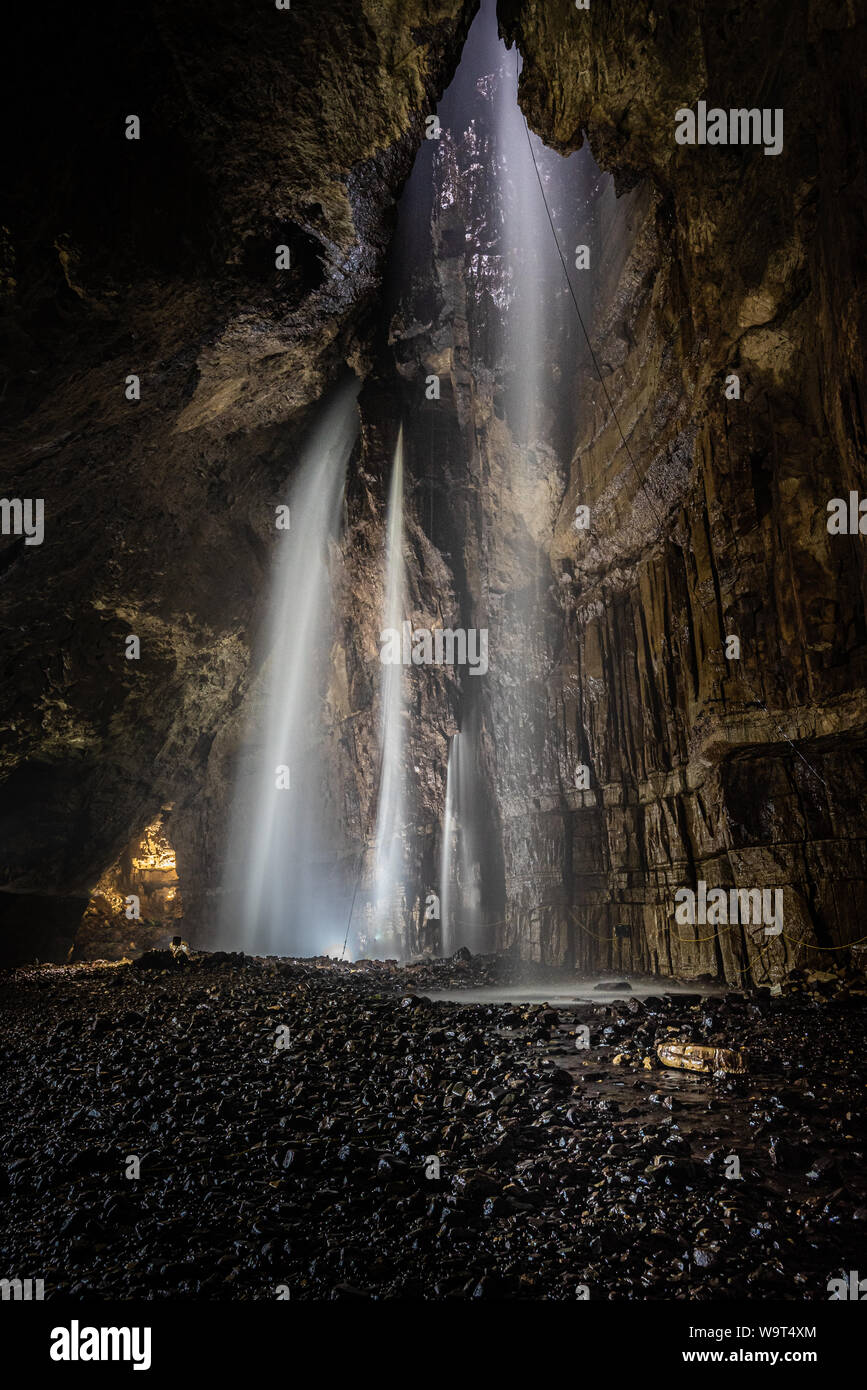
469 816
390 915
522 332
546 217
461 869
447 857
526 238
278 888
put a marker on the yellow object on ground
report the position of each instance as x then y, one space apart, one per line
692 1057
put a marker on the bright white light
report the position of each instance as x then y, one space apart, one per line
277 876
388 873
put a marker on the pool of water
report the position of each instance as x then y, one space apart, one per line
569 993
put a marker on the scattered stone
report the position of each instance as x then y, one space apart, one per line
402 1147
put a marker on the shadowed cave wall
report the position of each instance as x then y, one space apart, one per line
159 513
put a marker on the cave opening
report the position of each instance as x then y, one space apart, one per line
137 903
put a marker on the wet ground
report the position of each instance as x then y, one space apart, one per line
566 994
334 1131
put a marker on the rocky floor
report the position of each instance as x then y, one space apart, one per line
285 1116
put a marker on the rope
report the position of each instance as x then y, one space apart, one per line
807 946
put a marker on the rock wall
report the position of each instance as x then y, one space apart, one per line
709 514
156 258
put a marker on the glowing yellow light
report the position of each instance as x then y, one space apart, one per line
154 851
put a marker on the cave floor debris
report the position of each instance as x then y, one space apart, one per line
302 1159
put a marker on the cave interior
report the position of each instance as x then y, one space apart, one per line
420 322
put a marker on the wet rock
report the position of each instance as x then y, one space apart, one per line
161 960
786 1155
310 1166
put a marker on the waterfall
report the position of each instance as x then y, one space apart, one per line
526 239
389 909
461 907
447 856
469 820
278 895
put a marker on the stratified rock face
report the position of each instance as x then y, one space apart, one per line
156 258
716 261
